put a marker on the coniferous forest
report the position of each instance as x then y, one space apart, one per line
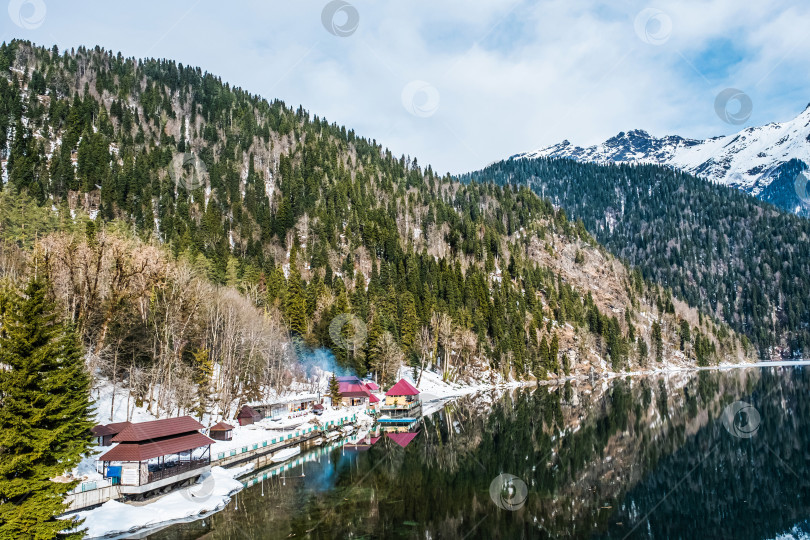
191 231
255 294
737 258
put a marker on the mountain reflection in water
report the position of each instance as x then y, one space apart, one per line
641 457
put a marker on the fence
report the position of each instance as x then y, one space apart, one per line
283 438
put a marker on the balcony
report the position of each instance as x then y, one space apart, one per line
402 406
176 469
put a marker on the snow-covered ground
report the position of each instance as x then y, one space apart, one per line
264 430
211 493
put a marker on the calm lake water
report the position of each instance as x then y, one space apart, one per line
691 455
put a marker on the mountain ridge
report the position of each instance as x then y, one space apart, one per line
257 207
764 161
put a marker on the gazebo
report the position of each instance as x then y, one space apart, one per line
151 455
221 432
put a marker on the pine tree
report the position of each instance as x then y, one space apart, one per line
334 391
553 353
658 342
295 307
410 321
642 352
45 418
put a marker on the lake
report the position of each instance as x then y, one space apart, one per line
708 454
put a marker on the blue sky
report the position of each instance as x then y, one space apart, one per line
460 84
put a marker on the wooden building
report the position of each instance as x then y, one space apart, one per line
221 432
402 400
284 407
353 394
152 455
104 434
247 415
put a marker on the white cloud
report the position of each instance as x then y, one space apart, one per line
510 76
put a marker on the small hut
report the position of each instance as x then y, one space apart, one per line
221 432
104 434
247 416
373 403
318 408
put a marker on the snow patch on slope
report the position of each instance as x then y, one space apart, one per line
747 160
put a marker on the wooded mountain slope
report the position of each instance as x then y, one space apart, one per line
111 159
738 258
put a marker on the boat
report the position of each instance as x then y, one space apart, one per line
284 455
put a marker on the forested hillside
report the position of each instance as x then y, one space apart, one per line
202 239
740 259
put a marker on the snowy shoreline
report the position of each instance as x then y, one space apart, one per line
213 492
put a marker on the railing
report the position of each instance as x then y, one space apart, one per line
403 406
284 438
168 472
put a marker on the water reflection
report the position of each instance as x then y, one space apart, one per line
649 457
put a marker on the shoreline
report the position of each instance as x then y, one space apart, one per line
435 397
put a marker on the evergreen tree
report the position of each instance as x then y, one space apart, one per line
295 307
45 415
334 391
642 352
658 343
410 321
553 353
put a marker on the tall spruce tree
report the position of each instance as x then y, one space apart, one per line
45 414
334 391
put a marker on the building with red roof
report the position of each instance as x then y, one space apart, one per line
247 415
152 455
402 400
402 439
104 434
221 432
355 392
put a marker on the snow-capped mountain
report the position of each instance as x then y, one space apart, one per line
766 161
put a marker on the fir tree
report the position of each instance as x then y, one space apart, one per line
45 414
553 353
658 342
296 305
334 391
410 321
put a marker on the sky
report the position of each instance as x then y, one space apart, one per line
460 84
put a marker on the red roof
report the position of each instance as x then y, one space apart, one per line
353 390
130 451
110 429
156 429
402 388
371 385
373 399
221 426
247 412
402 439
